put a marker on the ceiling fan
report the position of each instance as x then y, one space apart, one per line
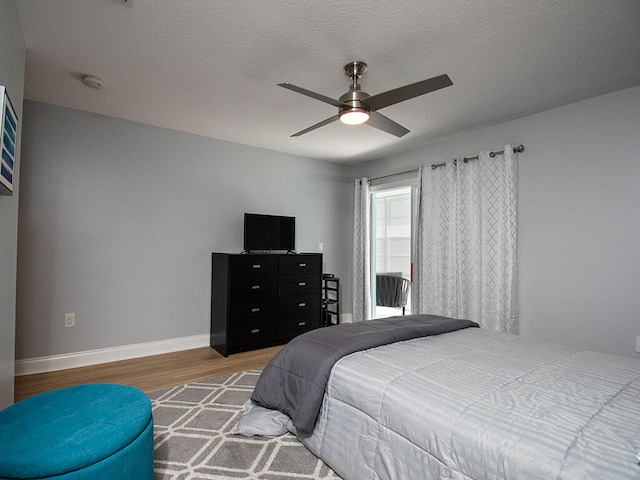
356 106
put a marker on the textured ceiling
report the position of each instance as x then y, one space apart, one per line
212 67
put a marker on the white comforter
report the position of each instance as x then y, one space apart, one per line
479 405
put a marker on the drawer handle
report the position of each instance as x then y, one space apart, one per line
302 324
257 265
302 284
254 310
255 330
255 287
303 265
302 304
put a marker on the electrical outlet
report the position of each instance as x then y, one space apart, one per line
69 320
638 343
321 247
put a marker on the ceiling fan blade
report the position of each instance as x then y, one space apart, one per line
397 95
309 93
317 125
379 121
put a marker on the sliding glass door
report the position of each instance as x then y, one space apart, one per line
392 227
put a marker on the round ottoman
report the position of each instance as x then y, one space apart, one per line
98 432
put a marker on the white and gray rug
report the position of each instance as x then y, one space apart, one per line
193 439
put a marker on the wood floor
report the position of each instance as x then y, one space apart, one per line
147 373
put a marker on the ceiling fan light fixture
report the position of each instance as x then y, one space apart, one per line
354 116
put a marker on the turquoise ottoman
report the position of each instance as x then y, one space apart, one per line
97 432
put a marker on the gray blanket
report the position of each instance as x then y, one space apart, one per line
294 380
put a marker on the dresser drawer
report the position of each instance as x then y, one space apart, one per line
300 264
300 324
251 332
293 306
299 284
253 287
246 309
253 265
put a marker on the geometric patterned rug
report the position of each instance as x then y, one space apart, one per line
193 439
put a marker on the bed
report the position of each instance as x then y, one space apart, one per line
474 404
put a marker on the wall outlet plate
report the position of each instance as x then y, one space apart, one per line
638 343
69 320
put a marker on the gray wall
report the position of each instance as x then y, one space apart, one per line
579 220
118 221
12 61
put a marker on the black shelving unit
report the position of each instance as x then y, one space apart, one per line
330 301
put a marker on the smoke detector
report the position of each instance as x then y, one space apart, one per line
92 82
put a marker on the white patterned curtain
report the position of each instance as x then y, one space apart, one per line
466 241
362 251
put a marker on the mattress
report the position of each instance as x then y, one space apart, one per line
474 404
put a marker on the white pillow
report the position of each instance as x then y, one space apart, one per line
263 422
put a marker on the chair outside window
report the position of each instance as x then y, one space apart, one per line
392 290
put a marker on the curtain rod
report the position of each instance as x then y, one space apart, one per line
415 170
518 149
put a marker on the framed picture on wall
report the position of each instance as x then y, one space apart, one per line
9 129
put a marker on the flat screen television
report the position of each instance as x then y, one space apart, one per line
269 232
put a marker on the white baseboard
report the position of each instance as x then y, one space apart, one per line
52 363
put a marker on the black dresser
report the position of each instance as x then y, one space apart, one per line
258 301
